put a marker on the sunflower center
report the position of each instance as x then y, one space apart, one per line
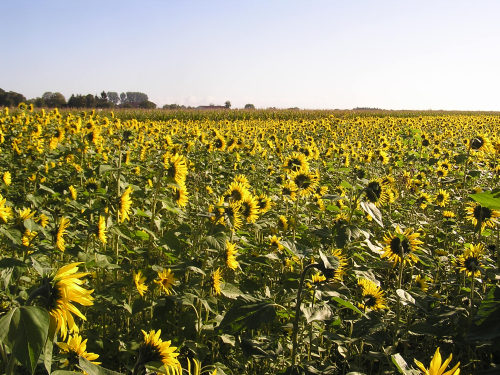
302 181
400 247
236 195
149 353
218 143
373 191
370 301
54 296
482 213
472 264
476 143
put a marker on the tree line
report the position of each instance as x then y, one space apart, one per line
110 99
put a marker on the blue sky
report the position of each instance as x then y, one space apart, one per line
282 53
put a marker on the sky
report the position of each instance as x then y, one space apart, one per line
311 54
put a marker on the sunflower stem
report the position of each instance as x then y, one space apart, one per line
398 302
297 310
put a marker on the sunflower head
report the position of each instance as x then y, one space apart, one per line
372 296
154 349
470 261
438 367
482 217
401 245
215 282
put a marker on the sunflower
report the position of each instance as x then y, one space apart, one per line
61 291
5 211
73 192
7 178
441 198
219 143
176 167
125 204
376 192
166 280
295 162
342 263
91 185
305 181
231 253
215 282
289 190
101 229
180 195
423 200
441 171
242 180
448 214
63 225
317 278
276 242
373 296
232 214
437 367
282 223
482 217
264 203
236 192
154 349
75 348
140 283
249 208
480 143
422 283
26 214
401 245
470 261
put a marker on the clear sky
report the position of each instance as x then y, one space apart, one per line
399 54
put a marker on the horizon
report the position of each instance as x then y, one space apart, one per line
282 54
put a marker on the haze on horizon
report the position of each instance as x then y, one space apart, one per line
283 53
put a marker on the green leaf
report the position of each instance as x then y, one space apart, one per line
63 372
24 330
249 316
404 297
231 291
141 235
317 313
92 369
401 365
348 304
489 199
49 345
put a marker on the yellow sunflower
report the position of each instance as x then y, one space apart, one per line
176 167
180 195
101 229
154 349
215 282
231 253
249 208
482 217
376 192
75 348
305 181
63 225
422 283
166 281
470 261
372 295
401 245
437 367
296 161
140 282
276 242
264 203
7 178
125 204
236 192
441 198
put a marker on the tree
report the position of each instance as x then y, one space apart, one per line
227 104
249 106
113 97
54 99
11 98
147 104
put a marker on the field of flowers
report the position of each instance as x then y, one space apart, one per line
298 243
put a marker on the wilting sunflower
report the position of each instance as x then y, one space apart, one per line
166 281
154 349
215 282
176 167
373 296
249 208
470 261
482 217
60 292
125 204
441 198
101 229
75 348
437 367
63 225
231 253
305 181
401 245
140 283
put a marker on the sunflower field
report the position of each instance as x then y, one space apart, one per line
226 243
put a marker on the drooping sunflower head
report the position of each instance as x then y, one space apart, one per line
232 215
101 229
401 245
154 349
372 296
341 263
470 262
125 204
282 223
276 243
215 282
289 190
482 217
422 283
